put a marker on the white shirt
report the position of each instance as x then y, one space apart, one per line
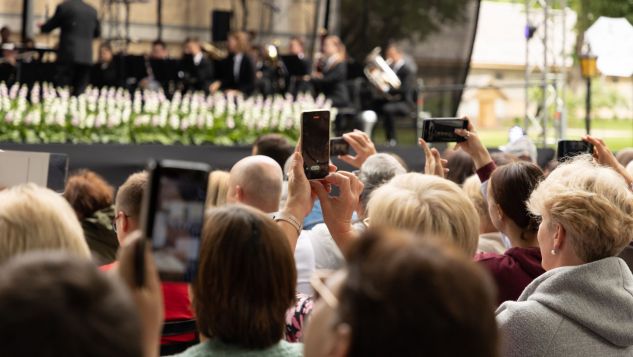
197 58
237 62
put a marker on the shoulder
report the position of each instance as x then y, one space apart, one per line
199 350
287 349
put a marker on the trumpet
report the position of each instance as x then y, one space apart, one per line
379 73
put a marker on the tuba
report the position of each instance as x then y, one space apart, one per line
213 51
379 73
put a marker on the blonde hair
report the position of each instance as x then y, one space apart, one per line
472 189
592 203
218 188
130 195
35 218
427 205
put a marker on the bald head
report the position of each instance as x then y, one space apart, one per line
256 181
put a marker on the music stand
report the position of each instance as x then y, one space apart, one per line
295 66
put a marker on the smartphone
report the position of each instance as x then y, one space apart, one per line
172 216
442 130
338 146
315 143
570 148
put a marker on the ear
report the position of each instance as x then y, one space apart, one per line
125 223
342 341
498 212
560 237
239 193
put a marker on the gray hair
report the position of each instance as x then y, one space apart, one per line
377 170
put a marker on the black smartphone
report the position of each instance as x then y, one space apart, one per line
338 146
571 148
315 143
442 130
172 216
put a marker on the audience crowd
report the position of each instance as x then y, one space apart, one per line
479 255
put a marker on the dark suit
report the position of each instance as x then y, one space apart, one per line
332 85
79 24
245 82
105 75
198 77
402 101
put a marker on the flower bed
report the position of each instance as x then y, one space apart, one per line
113 115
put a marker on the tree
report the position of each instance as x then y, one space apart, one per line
367 23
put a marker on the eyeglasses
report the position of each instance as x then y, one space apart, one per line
321 290
115 219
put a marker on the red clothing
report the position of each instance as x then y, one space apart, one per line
513 270
177 305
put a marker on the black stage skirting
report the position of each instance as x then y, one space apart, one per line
115 162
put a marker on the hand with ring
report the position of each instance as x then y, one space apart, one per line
473 146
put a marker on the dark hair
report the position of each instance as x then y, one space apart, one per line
625 156
246 278
55 304
461 166
503 158
404 294
275 146
299 40
106 45
511 186
159 43
87 192
192 39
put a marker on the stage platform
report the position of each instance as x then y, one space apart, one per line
115 162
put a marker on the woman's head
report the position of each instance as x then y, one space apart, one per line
509 188
460 165
587 213
246 278
218 188
428 205
402 293
35 218
472 189
87 193
332 45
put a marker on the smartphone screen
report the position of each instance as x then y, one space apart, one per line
442 130
571 148
338 146
175 217
315 143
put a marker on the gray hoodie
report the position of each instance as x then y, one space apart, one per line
585 310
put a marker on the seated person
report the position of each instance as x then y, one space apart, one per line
197 68
241 308
105 73
238 68
9 64
92 198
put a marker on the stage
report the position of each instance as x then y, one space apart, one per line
117 161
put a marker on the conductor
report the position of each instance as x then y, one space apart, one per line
79 24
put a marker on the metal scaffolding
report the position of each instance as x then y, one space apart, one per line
546 24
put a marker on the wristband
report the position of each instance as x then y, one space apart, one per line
290 219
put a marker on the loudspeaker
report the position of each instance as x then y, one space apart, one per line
220 25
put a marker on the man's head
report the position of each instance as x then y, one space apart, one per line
53 303
128 204
159 50
105 53
295 46
256 181
393 52
192 46
275 146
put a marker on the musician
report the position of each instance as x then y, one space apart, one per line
296 84
105 73
8 64
332 72
159 51
400 102
197 68
238 67
79 24
264 71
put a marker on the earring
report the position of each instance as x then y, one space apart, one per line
553 251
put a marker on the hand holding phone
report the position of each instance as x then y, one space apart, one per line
173 216
339 147
442 130
315 143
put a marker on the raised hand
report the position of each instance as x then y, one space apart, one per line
473 146
362 145
605 157
433 164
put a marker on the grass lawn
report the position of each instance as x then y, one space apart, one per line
617 133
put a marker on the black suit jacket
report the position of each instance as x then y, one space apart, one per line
246 81
332 85
79 24
406 92
198 77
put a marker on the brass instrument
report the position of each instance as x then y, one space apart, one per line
214 52
380 74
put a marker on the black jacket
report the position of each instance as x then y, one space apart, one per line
197 77
246 81
332 85
79 24
407 90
